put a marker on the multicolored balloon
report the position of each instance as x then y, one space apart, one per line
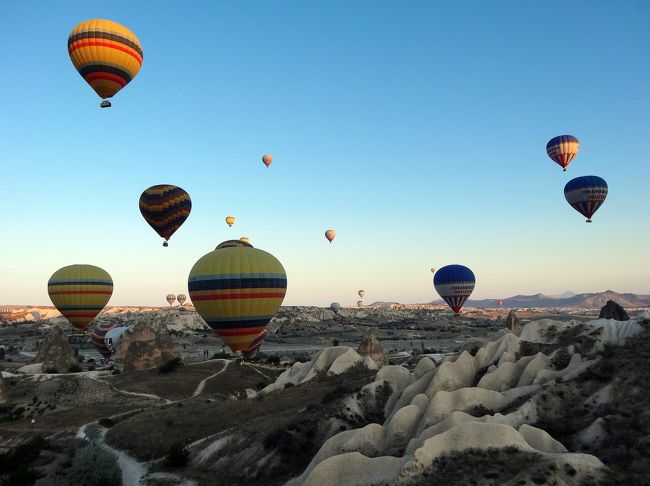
267 159
586 194
171 298
454 283
237 289
254 347
98 337
80 292
165 208
563 149
230 220
335 306
181 298
106 54
330 235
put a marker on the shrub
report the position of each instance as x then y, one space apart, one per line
94 466
51 370
273 360
171 365
74 368
221 355
106 422
178 455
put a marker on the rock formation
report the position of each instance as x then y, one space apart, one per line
612 310
4 399
55 352
512 322
144 346
370 347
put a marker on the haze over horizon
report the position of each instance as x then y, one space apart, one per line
417 131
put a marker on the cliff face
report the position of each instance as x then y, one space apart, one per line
56 353
144 346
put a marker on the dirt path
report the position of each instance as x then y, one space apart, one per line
199 389
256 370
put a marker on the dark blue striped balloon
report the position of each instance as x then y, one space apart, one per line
586 194
455 284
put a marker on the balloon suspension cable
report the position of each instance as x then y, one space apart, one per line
165 243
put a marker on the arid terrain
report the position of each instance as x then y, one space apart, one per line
559 400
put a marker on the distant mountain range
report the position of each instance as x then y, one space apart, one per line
587 301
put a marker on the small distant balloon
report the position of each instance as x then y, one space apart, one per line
433 270
359 303
267 159
361 293
563 149
245 239
36 315
171 298
335 306
230 220
500 303
330 235
181 298
454 283
586 194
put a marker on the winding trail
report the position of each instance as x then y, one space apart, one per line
199 389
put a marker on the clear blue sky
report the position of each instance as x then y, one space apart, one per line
417 130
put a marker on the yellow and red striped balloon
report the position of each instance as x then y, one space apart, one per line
237 289
80 292
106 54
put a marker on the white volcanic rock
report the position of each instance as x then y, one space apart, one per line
424 366
31 369
502 378
615 332
331 361
540 439
592 435
492 351
534 366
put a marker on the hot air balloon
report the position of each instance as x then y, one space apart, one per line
330 235
80 292
433 270
359 303
106 54
114 336
586 194
171 298
245 239
267 159
237 289
98 337
361 293
455 284
254 347
230 220
500 303
181 298
36 315
165 208
335 306
563 149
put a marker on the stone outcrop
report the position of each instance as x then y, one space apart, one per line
56 353
512 322
612 310
145 346
370 347
4 399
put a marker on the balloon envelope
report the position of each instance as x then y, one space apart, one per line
114 336
360 303
454 283
181 298
563 149
335 306
98 337
361 293
230 220
500 303
80 292
254 346
586 194
237 289
330 235
433 270
165 208
267 159
245 239
171 298
106 54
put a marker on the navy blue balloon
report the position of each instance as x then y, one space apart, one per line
586 194
454 283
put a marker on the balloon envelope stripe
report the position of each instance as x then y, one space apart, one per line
234 276
242 283
248 295
89 43
82 292
233 329
105 35
79 282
